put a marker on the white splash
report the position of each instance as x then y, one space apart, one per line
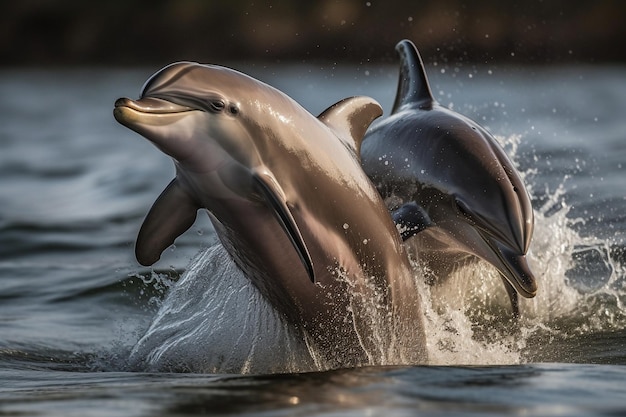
214 321
468 315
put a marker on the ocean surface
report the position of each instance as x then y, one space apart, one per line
75 186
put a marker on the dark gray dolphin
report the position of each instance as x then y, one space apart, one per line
289 201
451 188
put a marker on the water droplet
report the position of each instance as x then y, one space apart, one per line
346 226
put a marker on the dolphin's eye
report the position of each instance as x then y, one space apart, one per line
216 106
233 109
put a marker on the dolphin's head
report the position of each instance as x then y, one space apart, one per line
193 113
486 206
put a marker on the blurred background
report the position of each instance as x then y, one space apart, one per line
132 32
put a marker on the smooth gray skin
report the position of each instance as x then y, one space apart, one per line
451 188
288 198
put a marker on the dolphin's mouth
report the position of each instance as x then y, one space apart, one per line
516 269
148 111
151 105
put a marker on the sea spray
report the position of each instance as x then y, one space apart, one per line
467 317
582 290
214 321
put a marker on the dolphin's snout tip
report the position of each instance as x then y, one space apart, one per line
121 102
119 112
513 265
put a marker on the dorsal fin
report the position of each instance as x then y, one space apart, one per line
413 84
350 118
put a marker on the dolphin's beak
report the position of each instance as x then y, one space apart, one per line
512 266
147 110
151 118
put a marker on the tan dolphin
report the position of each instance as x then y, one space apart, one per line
289 201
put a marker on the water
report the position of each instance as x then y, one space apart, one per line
74 187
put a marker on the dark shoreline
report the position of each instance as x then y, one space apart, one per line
69 32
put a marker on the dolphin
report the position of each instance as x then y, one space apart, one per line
452 190
289 201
